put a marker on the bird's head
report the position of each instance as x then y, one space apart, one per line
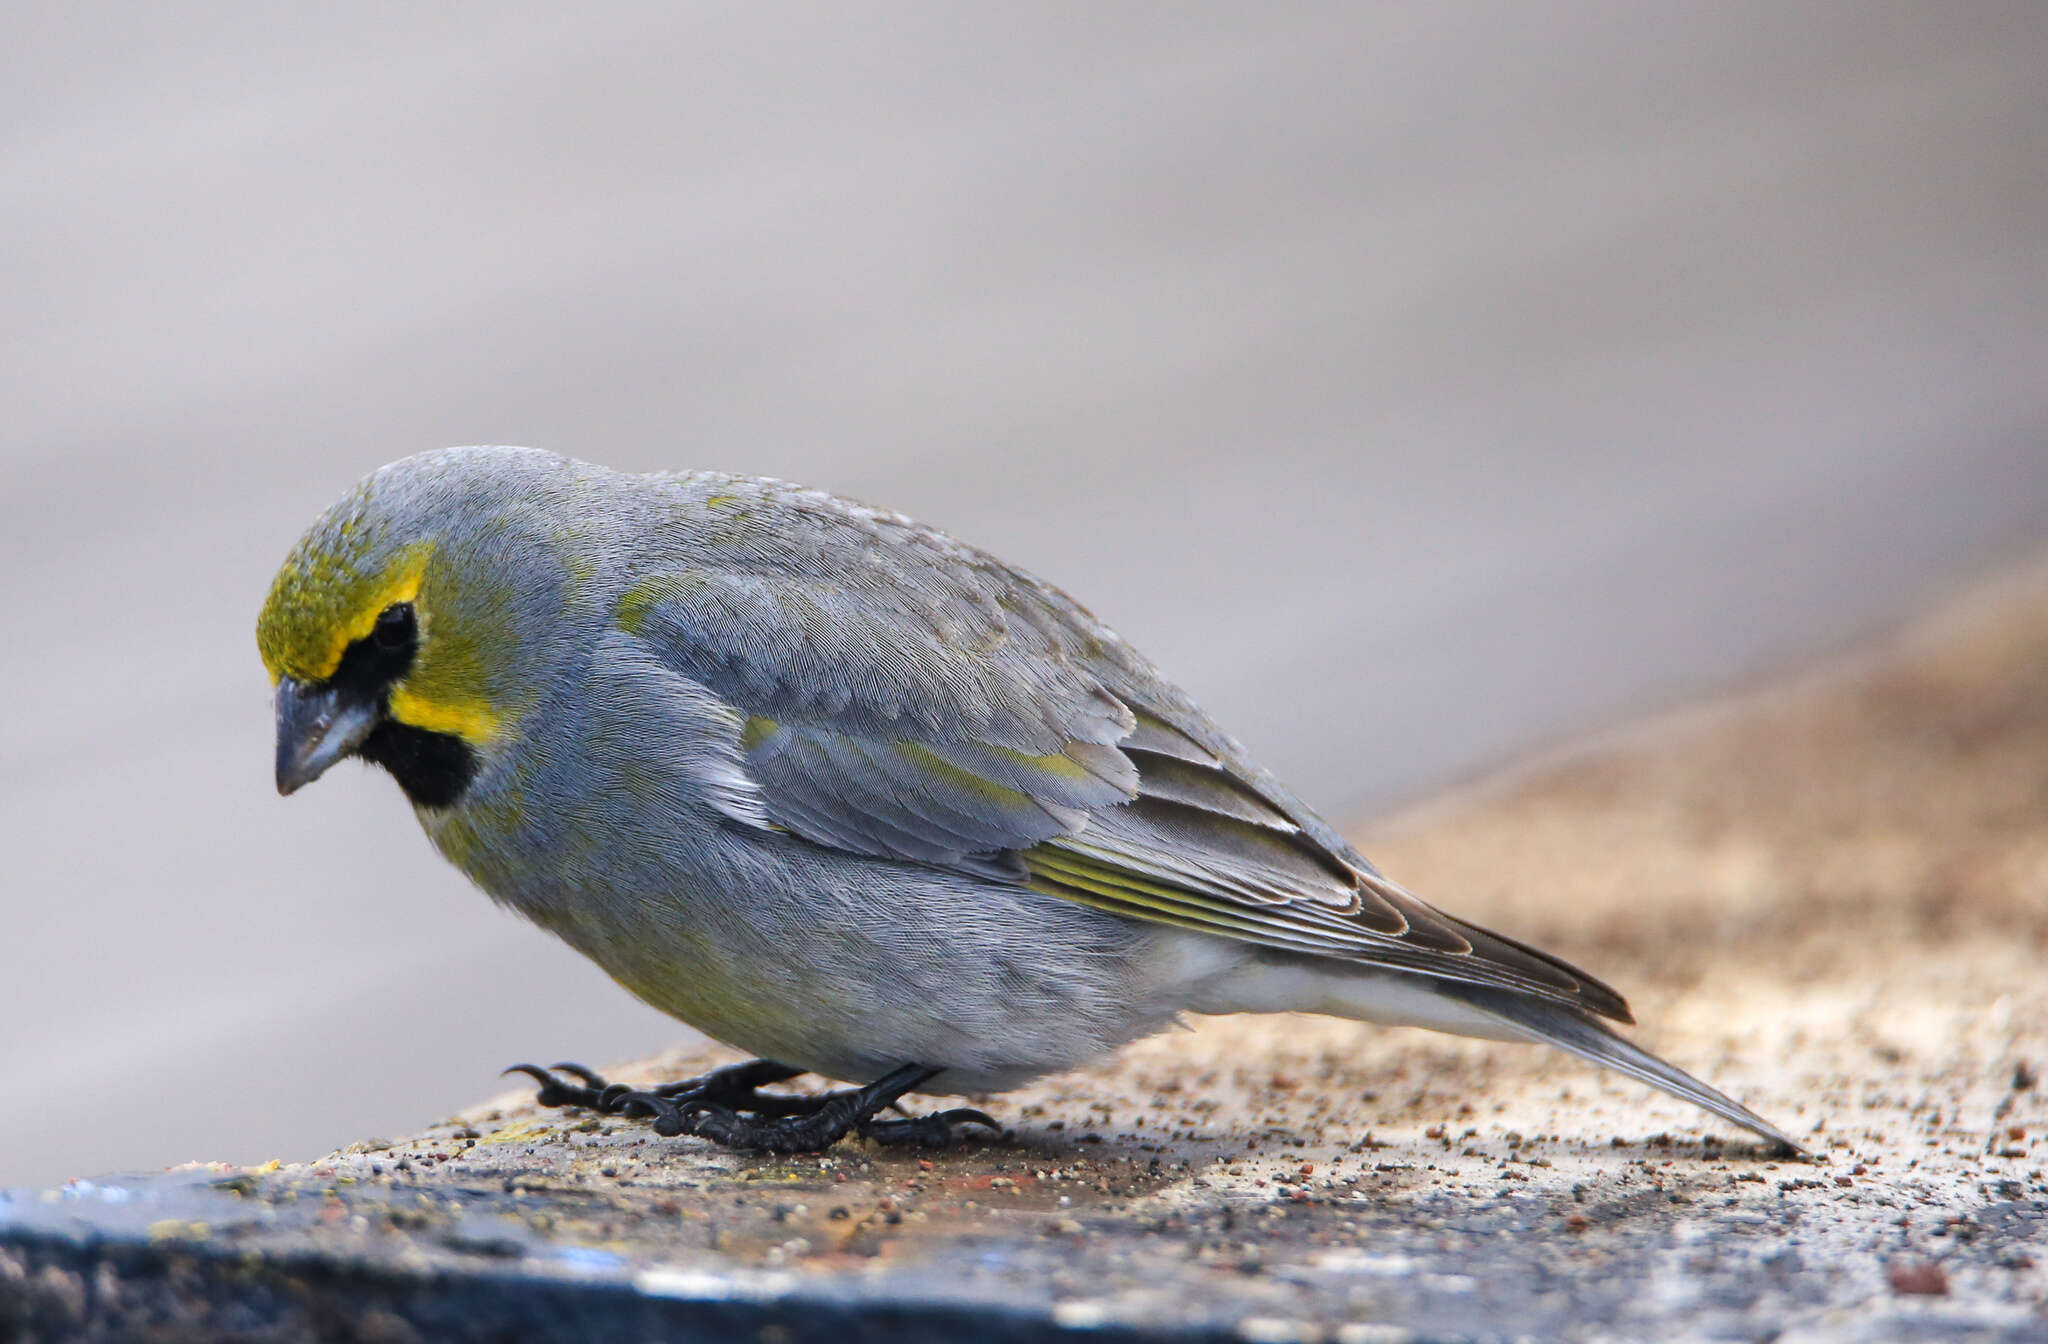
407 625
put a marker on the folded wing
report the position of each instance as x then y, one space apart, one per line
903 696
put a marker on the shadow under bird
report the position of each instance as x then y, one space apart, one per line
845 793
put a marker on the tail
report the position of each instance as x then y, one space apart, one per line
1532 1019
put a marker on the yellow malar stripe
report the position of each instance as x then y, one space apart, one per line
471 720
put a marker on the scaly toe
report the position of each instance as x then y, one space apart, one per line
939 1130
665 1116
612 1097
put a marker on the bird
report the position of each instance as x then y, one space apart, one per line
847 794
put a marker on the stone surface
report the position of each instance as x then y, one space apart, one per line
1829 896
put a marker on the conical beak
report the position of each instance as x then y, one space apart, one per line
317 726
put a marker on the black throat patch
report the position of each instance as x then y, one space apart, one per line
434 769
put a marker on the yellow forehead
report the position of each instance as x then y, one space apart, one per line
323 600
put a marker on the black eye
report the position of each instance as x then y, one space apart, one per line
395 628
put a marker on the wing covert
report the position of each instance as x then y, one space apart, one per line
901 695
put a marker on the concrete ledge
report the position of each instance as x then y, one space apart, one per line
1829 897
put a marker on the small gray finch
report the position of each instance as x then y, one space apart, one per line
844 793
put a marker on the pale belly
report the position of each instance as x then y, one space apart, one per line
851 968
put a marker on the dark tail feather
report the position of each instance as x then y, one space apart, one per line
1555 1024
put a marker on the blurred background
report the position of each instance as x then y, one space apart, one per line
1418 384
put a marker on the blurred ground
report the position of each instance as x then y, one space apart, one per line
1828 896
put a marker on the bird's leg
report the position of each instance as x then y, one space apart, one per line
734 1087
836 1115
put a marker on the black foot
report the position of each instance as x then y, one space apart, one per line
941 1129
727 1107
840 1113
735 1087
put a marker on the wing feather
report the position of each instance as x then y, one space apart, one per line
904 696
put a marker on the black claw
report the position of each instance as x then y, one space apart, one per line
553 1091
583 1075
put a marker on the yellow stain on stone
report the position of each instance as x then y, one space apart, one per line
178 1229
520 1133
